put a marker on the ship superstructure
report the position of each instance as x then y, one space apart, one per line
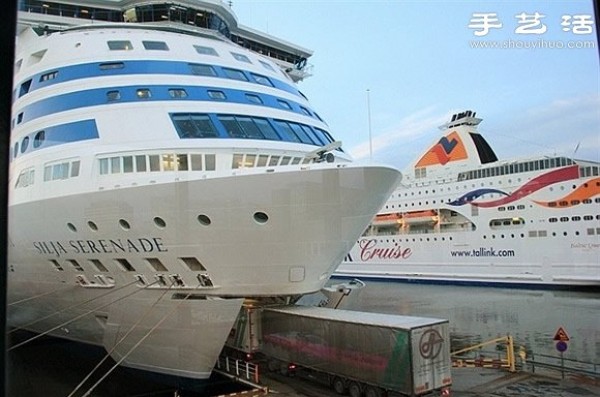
462 216
164 167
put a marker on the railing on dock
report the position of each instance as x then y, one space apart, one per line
481 358
242 370
563 365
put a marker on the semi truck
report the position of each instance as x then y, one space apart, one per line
355 353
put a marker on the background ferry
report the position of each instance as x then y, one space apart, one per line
164 167
462 216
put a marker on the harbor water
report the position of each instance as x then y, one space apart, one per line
478 314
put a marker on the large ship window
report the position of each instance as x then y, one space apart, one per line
119 45
26 178
217 95
202 70
235 74
261 79
155 45
254 99
194 126
206 50
25 86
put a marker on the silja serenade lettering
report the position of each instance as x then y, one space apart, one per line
101 246
369 250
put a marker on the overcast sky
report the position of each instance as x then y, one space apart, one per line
419 62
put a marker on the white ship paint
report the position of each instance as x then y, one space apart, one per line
462 216
162 173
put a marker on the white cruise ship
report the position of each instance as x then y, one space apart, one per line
164 167
462 216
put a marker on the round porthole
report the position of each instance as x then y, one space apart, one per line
261 217
72 227
124 224
92 226
160 222
204 220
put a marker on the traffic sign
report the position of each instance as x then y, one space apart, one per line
561 346
561 335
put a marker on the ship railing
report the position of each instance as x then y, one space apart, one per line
563 365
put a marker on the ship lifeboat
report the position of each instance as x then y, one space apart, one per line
428 216
388 219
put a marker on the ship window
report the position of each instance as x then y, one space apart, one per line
205 50
125 265
323 135
168 162
103 165
19 118
98 265
235 74
111 65
119 45
296 160
217 95
26 178
196 160
60 171
285 160
75 265
262 160
49 76
241 57
25 88
75 168
254 99
193 264
267 66
261 79
154 161
127 164
251 130
553 220
140 163
284 104
155 45
313 136
564 219
182 162
575 218
202 70
156 264
194 126
24 144
210 162
267 130
113 95
588 217
283 125
143 93
232 127
238 161
177 93
273 161
299 131
56 265
305 111
115 165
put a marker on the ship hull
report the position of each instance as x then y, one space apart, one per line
311 218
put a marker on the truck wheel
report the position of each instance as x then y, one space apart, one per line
354 390
373 392
339 386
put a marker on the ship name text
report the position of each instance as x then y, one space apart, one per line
100 246
369 250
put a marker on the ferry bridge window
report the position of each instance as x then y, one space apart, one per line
127 164
140 163
196 160
194 126
267 66
119 45
154 161
182 162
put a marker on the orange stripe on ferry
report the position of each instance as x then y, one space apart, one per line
585 191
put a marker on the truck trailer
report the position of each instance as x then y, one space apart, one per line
356 353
